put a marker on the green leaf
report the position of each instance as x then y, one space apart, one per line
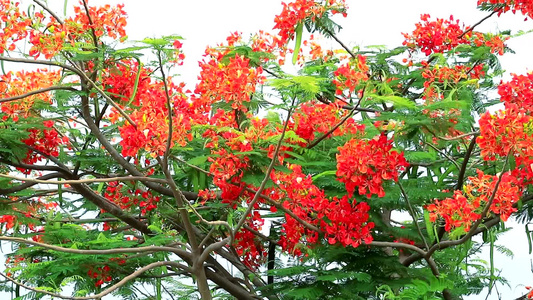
396 100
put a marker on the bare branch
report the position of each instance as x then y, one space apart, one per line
97 252
107 290
93 180
267 173
36 92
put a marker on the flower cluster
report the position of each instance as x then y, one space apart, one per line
248 245
443 35
8 220
151 114
125 198
14 25
233 81
464 208
298 11
227 170
314 117
106 20
341 220
436 36
349 75
46 141
21 82
505 131
366 164
518 91
101 274
495 42
524 6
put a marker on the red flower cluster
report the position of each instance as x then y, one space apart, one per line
294 13
524 6
102 274
349 75
46 141
8 220
436 36
299 10
366 164
119 81
106 20
339 220
15 25
248 245
233 82
464 208
518 91
504 131
495 42
117 193
227 170
314 117
19 83
443 74
151 116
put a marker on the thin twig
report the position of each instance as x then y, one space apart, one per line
349 115
51 12
458 137
36 92
106 291
340 42
124 178
267 173
412 212
445 155
96 252
169 107
478 23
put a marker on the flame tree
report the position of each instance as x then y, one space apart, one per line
115 175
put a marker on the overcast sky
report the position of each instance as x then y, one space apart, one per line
379 22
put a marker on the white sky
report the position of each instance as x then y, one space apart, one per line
379 22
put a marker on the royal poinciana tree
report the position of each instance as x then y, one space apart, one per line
258 182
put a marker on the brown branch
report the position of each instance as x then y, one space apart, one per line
93 33
267 173
97 252
107 290
42 62
26 185
475 133
331 34
349 115
412 213
79 181
36 92
478 23
51 12
169 107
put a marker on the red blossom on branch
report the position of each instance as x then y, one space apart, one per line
365 165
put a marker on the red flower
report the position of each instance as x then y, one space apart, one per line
436 36
366 164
